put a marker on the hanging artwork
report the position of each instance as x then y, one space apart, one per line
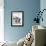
17 18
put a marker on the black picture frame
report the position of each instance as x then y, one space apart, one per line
17 18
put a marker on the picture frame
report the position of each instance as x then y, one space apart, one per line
17 18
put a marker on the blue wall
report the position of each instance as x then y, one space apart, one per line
43 6
29 7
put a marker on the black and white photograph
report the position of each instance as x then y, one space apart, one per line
17 18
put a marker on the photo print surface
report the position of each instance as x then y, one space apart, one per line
17 18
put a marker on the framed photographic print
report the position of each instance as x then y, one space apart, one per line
17 18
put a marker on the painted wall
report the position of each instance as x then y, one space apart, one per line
43 6
30 7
